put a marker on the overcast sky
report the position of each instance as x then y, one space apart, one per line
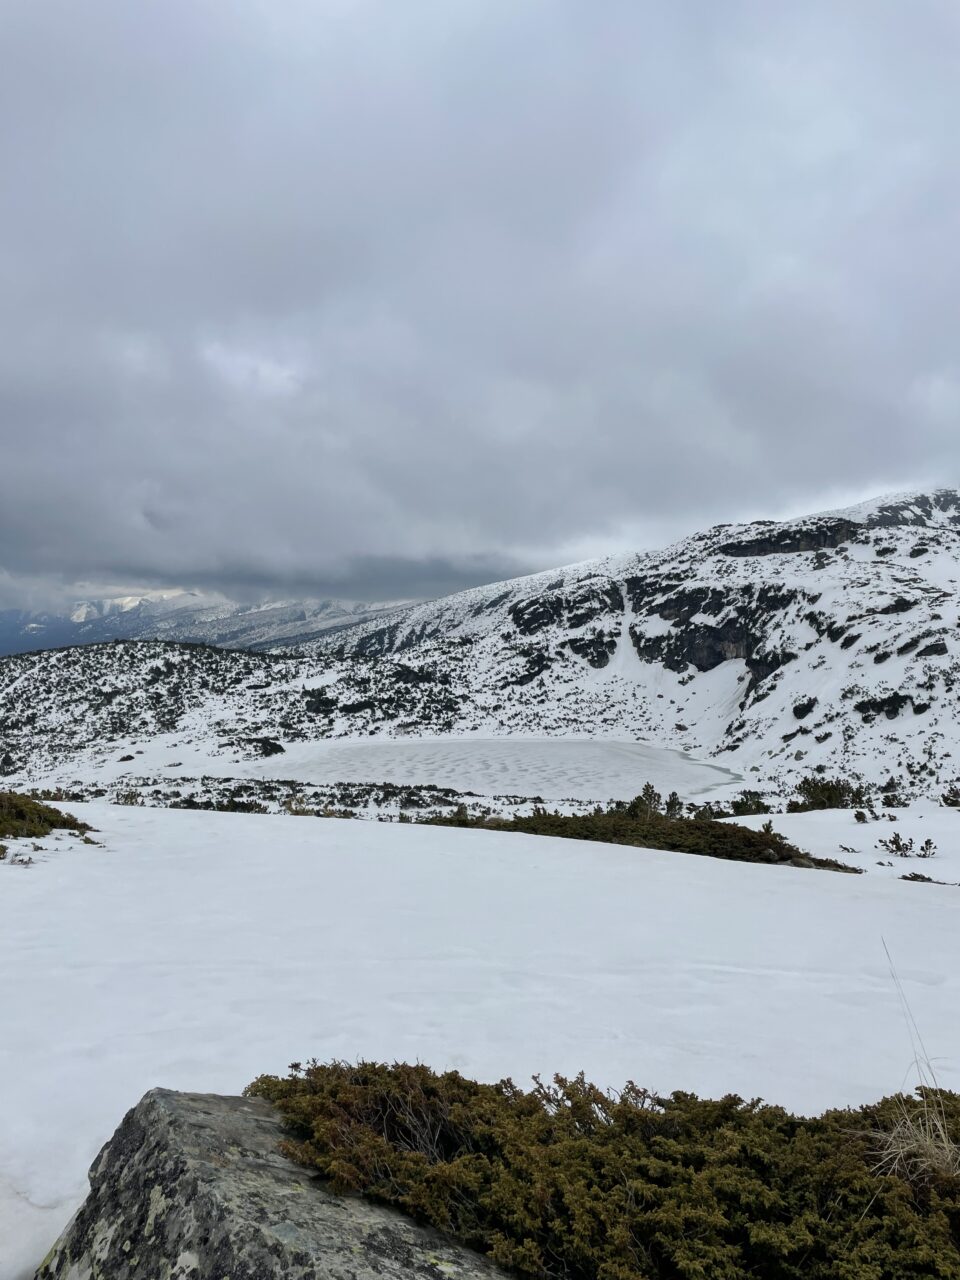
381 299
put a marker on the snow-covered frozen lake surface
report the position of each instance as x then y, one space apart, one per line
196 950
555 769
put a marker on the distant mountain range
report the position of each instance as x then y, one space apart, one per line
828 643
182 616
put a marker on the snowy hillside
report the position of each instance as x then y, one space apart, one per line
776 648
771 649
196 951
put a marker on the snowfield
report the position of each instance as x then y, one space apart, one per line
196 950
835 833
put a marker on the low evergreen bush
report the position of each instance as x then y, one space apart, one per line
20 816
748 803
643 827
568 1181
816 792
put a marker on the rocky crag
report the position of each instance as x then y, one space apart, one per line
193 1187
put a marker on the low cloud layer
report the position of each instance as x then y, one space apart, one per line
379 300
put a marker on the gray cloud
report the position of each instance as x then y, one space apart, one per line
383 299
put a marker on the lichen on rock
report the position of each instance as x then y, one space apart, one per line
193 1187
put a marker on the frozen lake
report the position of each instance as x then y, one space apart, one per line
553 768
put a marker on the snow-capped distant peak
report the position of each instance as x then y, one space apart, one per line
169 599
176 614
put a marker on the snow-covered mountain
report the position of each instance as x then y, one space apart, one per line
181 616
827 643
157 603
830 640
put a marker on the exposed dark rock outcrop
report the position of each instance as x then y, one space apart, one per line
761 665
789 540
697 644
318 702
891 705
531 616
918 509
743 619
595 600
536 663
412 675
597 649
193 1187
899 605
598 601
938 649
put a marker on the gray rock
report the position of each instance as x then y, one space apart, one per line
192 1187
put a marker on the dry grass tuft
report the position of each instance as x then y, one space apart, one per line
919 1147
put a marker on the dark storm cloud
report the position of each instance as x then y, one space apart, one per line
382 299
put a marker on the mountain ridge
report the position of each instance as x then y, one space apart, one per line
829 643
182 616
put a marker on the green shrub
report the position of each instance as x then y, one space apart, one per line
637 825
673 807
815 792
647 802
20 816
748 803
568 1181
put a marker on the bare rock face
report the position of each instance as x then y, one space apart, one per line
192 1187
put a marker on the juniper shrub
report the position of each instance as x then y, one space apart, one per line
566 1180
637 824
21 816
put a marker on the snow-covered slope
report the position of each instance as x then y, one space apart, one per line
774 649
778 647
196 951
182 616
921 841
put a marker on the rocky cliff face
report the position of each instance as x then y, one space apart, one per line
830 642
193 1187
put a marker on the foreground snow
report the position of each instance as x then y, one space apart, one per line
196 950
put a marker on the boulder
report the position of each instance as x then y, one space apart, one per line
193 1187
